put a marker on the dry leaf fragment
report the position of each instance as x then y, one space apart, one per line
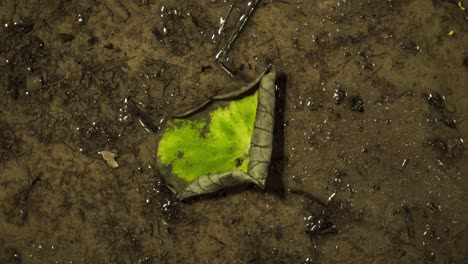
109 157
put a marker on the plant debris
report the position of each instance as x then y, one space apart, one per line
110 157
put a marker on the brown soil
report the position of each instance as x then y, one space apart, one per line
368 166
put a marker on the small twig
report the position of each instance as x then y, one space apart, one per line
222 54
230 71
408 220
266 42
165 87
223 23
145 120
217 240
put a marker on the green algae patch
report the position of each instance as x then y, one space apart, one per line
220 143
223 142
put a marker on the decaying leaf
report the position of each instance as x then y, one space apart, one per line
224 142
109 157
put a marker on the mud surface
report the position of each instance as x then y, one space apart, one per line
369 163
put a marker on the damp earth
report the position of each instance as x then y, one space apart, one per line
369 162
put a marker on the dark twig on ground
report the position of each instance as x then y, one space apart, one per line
223 24
222 55
142 116
408 220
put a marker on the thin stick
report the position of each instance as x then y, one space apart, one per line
221 28
144 119
243 21
408 220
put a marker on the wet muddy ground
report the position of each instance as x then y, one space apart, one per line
369 163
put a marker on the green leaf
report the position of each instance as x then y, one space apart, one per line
219 143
